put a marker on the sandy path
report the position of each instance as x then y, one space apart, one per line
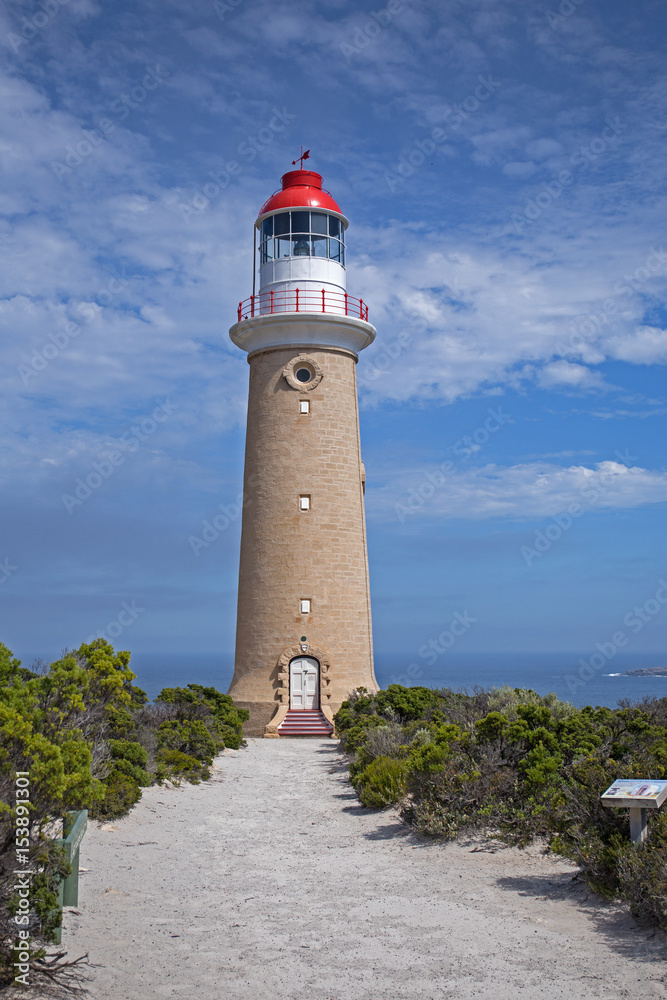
271 881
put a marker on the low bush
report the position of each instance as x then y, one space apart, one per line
382 782
517 766
121 792
174 764
89 739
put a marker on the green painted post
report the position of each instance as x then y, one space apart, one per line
71 884
74 827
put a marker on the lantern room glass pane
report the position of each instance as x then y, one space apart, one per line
267 228
334 226
281 224
318 223
282 246
267 251
300 222
300 245
334 250
319 246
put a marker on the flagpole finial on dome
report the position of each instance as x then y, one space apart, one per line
304 156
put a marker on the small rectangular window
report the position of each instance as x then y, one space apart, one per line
304 406
318 223
304 502
305 606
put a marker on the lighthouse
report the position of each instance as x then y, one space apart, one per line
303 636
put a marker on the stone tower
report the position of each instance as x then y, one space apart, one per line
303 638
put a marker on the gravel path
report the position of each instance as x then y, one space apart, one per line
272 881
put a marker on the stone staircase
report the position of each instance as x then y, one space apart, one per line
305 722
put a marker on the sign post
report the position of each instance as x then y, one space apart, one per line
74 827
638 795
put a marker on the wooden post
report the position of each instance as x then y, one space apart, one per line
74 827
638 826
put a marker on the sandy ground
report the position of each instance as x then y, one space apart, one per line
272 881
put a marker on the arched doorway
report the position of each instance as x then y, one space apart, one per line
304 683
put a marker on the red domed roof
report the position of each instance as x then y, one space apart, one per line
301 189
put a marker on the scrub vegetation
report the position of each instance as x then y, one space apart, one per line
516 767
86 738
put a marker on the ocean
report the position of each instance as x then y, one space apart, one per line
543 672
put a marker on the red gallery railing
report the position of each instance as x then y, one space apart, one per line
303 300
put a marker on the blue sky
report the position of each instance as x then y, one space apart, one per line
502 165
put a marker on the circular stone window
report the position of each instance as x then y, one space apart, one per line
303 373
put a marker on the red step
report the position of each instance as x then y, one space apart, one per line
305 722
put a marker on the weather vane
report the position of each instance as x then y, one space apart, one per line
304 156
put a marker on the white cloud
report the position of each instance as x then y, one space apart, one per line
518 492
647 345
567 375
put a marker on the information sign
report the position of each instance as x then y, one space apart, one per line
635 793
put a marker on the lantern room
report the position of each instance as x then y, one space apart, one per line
301 234
301 257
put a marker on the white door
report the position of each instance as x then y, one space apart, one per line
303 682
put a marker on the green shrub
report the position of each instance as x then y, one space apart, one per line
137 774
191 738
230 737
126 750
517 765
121 793
642 874
174 764
382 782
56 722
407 703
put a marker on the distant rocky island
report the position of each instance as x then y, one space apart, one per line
648 672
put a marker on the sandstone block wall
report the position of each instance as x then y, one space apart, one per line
288 554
